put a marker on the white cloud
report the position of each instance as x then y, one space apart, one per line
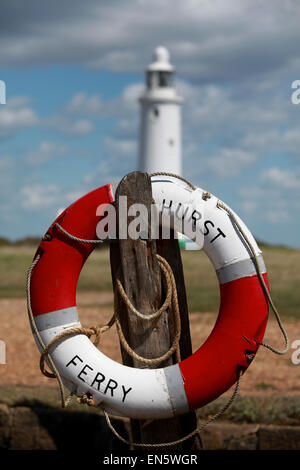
264 205
291 139
70 127
5 163
131 94
271 139
281 178
16 102
214 111
236 61
121 147
241 128
277 216
16 115
45 152
82 104
229 162
38 196
120 157
208 39
79 128
7 167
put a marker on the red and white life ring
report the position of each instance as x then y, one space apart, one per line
162 392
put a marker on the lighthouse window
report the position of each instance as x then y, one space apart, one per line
152 80
156 112
165 79
159 79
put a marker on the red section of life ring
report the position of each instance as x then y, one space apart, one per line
241 324
56 275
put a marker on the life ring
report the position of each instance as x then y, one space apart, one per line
161 392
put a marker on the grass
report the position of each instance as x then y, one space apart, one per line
15 261
265 386
257 409
254 409
200 278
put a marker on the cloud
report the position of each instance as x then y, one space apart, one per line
79 128
225 130
229 162
82 104
131 94
218 111
273 139
45 152
266 204
37 197
121 147
5 164
70 127
16 115
209 40
120 157
282 178
236 61
6 175
277 215
119 151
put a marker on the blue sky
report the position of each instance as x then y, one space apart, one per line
74 72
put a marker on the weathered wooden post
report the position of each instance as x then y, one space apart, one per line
136 264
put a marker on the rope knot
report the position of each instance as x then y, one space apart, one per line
94 330
206 195
86 399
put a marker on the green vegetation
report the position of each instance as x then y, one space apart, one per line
265 386
253 409
15 261
257 409
200 278
4 241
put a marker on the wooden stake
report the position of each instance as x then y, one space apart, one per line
135 262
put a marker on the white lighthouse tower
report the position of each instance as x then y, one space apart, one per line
160 133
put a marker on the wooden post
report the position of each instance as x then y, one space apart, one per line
135 262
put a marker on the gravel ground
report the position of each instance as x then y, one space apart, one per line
269 373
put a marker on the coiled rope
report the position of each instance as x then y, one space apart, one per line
171 303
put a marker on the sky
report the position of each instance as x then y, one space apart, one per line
74 71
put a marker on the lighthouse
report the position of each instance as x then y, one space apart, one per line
160 128
160 124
